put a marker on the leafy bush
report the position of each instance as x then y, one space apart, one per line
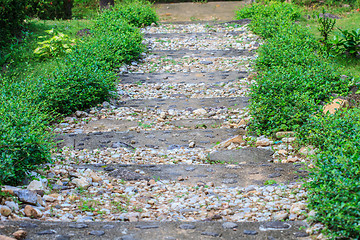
294 76
57 45
24 134
82 78
348 42
49 9
78 83
277 15
283 98
327 2
334 190
137 12
12 15
115 41
286 49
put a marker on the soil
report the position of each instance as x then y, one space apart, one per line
198 11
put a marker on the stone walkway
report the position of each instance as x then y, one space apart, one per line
170 158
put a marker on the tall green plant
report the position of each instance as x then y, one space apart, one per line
326 26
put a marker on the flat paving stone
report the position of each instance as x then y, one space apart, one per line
165 230
243 155
191 35
203 53
230 175
135 139
124 125
197 123
180 77
185 103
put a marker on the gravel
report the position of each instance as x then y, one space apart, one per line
82 195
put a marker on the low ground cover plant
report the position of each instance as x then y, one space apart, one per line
334 190
24 135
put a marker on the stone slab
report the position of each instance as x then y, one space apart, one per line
203 53
191 35
186 103
218 23
152 139
180 77
103 125
197 123
241 175
149 230
244 155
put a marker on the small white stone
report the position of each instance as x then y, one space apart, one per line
200 111
37 185
5 211
81 182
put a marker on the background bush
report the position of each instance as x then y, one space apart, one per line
12 16
277 16
137 12
115 40
24 135
49 9
328 2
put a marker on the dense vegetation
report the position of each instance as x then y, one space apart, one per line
294 77
59 75
296 74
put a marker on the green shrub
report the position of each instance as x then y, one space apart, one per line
57 45
49 9
294 78
283 98
115 41
347 42
277 16
327 2
78 83
12 16
294 74
81 79
334 188
291 48
24 134
138 12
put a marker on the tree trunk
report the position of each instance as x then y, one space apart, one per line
68 4
106 4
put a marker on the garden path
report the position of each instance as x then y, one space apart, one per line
170 158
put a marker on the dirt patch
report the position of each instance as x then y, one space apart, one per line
197 11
